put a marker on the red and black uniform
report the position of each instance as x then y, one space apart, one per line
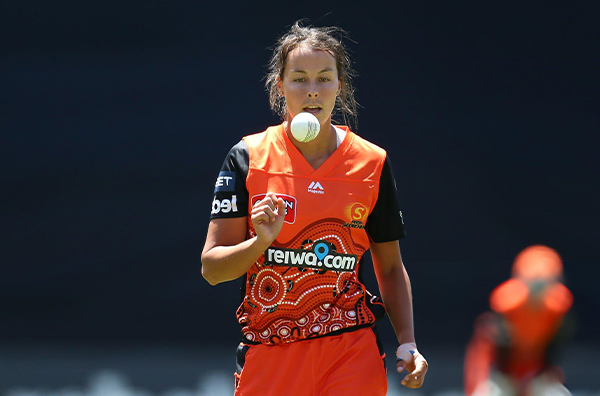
517 337
308 283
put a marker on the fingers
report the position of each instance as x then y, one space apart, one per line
407 365
412 381
263 213
267 217
280 207
400 366
267 209
415 378
404 356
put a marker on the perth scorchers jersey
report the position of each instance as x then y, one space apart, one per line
307 283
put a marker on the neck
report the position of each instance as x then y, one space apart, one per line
318 150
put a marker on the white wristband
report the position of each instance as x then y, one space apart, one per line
406 351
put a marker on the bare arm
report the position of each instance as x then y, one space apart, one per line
227 254
394 285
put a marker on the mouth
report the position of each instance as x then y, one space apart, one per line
313 109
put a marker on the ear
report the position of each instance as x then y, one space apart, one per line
280 86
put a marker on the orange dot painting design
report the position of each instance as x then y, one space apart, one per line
286 302
270 288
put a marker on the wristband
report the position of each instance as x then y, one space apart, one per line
406 351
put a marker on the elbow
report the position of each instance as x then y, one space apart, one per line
209 277
208 274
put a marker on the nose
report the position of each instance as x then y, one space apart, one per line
313 92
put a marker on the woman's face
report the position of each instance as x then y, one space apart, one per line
310 83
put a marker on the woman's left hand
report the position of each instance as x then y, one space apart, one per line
417 368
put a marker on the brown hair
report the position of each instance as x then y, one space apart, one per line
328 39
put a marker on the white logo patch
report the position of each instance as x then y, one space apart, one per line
316 188
321 257
224 205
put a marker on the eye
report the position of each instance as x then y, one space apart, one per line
299 79
324 79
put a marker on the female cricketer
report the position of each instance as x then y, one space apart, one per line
294 219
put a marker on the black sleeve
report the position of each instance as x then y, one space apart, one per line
385 222
231 195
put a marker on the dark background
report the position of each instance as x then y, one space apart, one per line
116 116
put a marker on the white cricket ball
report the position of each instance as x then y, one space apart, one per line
305 127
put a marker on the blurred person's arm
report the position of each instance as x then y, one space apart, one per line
562 300
480 353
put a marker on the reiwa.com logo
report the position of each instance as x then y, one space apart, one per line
321 257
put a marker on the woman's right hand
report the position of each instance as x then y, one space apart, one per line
267 218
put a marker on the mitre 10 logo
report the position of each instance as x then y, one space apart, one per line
290 206
321 257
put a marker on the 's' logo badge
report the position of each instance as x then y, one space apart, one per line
358 214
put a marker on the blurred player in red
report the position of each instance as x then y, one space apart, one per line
513 346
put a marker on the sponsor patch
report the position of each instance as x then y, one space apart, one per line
290 206
357 213
225 181
316 188
321 257
224 205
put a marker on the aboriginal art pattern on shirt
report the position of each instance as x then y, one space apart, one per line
306 292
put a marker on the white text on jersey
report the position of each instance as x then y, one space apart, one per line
223 181
224 205
310 259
